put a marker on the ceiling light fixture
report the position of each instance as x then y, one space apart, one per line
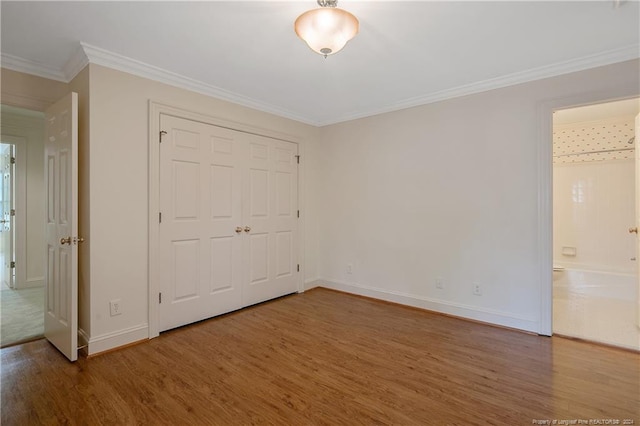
326 29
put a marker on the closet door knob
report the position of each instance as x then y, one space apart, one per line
633 230
238 229
247 228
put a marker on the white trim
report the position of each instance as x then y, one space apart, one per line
155 110
116 339
506 319
154 208
545 190
95 55
118 62
83 337
592 61
83 340
105 58
16 63
545 217
75 64
312 283
33 282
301 220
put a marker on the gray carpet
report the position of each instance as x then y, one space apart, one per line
21 315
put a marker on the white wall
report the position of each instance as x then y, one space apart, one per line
118 175
594 196
449 190
29 126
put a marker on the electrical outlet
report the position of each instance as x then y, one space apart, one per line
349 268
114 307
439 282
477 289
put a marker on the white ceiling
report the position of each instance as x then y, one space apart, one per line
602 111
406 54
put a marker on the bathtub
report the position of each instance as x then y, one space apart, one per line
610 285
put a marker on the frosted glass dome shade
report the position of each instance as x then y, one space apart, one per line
326 30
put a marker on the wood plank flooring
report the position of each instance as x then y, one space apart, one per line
325 358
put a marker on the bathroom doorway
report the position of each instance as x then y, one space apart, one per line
595 281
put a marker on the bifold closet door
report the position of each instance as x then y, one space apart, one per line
228 228
200 205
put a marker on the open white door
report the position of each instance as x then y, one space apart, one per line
7 157
61 183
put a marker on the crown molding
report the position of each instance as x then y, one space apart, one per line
76 63
29 67
87 53
118 62
622 54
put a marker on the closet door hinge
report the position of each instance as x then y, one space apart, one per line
298 213
298 267
13 160
298 159
160 217
159 297
162 133
12 264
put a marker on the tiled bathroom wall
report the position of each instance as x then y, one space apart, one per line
594 196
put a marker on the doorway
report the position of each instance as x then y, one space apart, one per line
595 273
21 212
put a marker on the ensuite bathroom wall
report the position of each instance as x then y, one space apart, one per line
595 255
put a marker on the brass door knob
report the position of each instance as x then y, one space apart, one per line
238 229
64 241
633 230
78 240
247 228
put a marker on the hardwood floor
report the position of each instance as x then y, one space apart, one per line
325 358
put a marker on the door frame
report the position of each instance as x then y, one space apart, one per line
544 139
20 203
155 110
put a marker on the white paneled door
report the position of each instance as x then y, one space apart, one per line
7 222
61 266
270 205
227 224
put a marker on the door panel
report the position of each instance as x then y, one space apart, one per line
270 200
221 264
229 223
7 227
200 250
61 275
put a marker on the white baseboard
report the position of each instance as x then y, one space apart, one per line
490 316
31 283
312 283
116 339
83 340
